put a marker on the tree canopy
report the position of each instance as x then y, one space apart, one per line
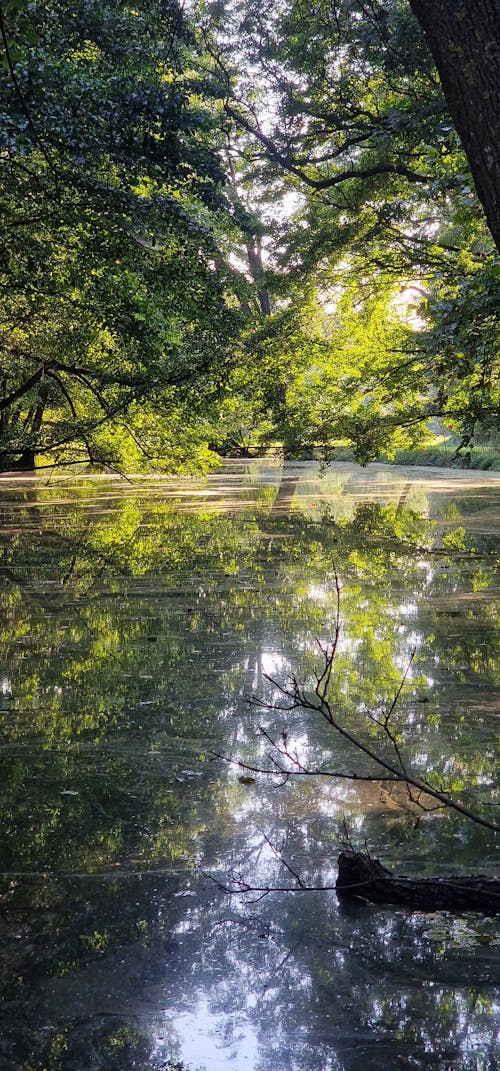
113 307
242 223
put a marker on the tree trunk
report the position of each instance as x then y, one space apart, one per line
254 253
363 878
26 462
464 39
253 245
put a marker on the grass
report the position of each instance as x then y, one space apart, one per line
442 454
439 453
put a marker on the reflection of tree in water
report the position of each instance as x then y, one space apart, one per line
90 948
327 996
319 987
131 632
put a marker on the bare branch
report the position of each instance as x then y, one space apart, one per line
237 885
398 772
395 771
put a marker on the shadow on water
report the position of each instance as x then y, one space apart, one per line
136 619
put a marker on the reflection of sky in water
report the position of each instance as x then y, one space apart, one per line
272 663
309 988
214 1039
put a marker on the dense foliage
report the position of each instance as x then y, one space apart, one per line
343 144
254 225
112 307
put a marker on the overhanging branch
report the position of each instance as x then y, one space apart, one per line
287 163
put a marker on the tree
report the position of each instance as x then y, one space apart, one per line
178 208
112 195
336 112
464 38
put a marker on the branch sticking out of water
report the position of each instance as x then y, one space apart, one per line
285 763
395 769
363 878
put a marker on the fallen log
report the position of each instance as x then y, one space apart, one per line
363 878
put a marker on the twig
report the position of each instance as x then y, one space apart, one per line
399 772
395 771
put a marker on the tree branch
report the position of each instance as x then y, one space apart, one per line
395 771
288 163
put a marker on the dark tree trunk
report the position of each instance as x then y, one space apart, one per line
363 878
464 38
33 424
26 462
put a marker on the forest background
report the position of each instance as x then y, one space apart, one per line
230 227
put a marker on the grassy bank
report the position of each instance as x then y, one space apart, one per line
442 454
436 454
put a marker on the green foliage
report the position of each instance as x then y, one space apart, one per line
211 228
464 343
483 458
110 203
337 364
342 140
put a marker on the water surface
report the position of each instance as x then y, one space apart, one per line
137 618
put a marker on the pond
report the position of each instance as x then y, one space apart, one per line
138 618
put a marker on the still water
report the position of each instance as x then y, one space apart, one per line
138 617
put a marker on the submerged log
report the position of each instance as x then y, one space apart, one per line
363 878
